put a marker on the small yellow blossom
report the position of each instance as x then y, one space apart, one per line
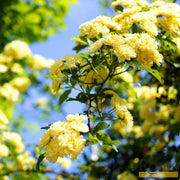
126 76
161 8
42 103
46 137
119 128
4 151
146 125
15 139
147 114
137 130
25 162
95 46
17 49
93 28
126 176
5 59
76 122
64 162
147 50
146 93
150 28
158 130
122 112
107 21
9 92
3 68
164 112
20 83
88 78
125 21
39 62
17 68
171 24
144 16
122 50
67 62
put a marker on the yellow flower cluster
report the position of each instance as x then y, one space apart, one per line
126 176
151 116
20 83
17 49
63 138
24 161
67 62
169 13
137 130
17 68
16 57
4 150
9 92
3 68
158 130
15 139
64 162
127 45
39 62
102 24
146 93
140 46
14 51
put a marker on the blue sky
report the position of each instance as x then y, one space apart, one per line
60 44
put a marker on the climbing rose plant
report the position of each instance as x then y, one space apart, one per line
126 72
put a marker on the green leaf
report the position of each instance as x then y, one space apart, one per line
46 127
72 81
119 7
116 142
145 9
84 55
52 77
81 97
78 48
100 126
40 158
66 71
78 39
114 147
91 140
154 72
64 96
104 138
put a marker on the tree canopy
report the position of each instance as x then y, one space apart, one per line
31 20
